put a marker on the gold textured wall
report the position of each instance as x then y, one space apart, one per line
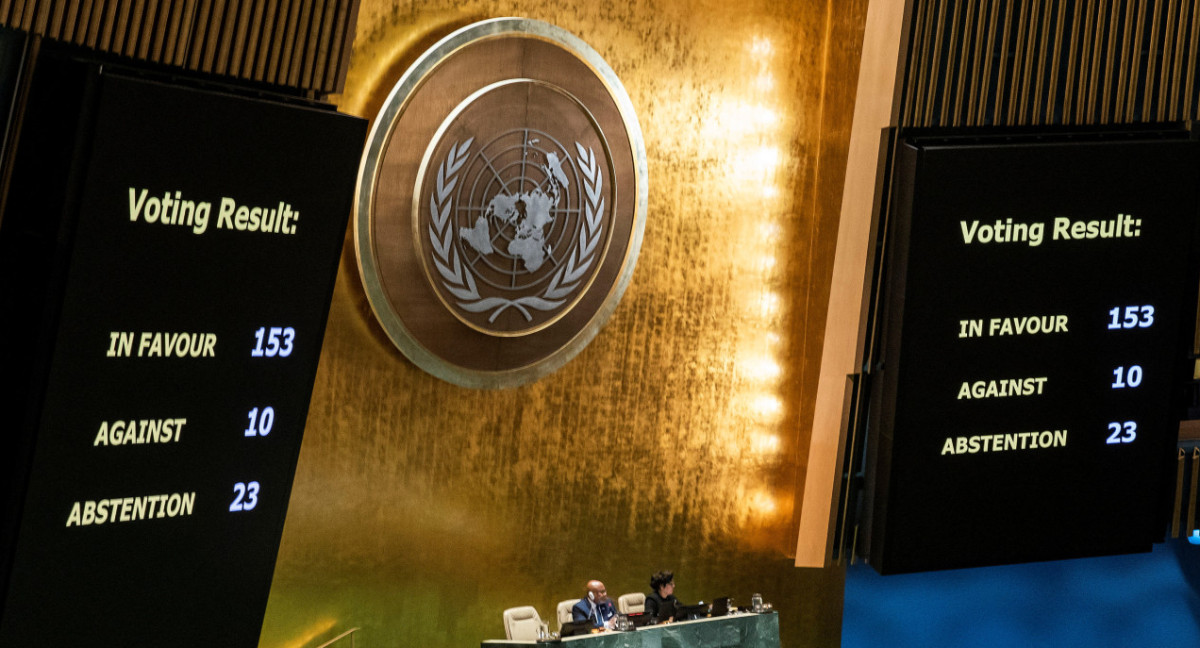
676 440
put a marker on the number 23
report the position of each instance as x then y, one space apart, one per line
245 496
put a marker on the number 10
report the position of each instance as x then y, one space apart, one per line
260 425
1123 378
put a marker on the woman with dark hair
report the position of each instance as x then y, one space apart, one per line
662 589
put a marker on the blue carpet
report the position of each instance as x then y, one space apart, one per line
1137 600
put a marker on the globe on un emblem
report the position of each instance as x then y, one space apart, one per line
525 211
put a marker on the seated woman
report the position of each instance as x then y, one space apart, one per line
662 589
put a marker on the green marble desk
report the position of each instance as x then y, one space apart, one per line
739 631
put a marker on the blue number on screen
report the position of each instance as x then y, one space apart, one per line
1122 432
1131 377
245 496
276 341
261 422
1131 317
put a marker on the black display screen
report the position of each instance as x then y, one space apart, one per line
1039 305
205 240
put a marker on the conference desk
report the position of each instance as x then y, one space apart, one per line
738 631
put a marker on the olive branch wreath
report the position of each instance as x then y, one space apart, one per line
458 278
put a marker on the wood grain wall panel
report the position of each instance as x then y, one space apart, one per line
301 45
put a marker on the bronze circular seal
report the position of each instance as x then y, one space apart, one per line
501 203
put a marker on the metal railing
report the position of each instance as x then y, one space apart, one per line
348 633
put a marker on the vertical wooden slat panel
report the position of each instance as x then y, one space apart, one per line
32 9
224 46
305 43
146 33
1194 45
1135 67
1016 64
344 42
317 70
238 37
57 18
128 46
146 43
919 68
96 22
285 41
1177 63
269 22
162 20
1039 89
174 28
1109 72
69 21
212 38
250 41
976 76
202 37
1002 68
1084 62
1038 62
1168 50
1073 46
1151 63
114 39
45 10
18 11
1027 72
28 13
296 40
967 53
1096 61
928 36
199 34
81 22
186 32
105 34
925 98
952 61
1060 35
14 13
302 44
333 65
1127 58
988 63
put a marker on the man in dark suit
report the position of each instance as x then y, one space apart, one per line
595 607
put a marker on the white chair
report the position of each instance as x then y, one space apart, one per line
564 612
522 623
631 603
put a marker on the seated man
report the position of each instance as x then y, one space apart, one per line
595 607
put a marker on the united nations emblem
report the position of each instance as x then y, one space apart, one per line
501 203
